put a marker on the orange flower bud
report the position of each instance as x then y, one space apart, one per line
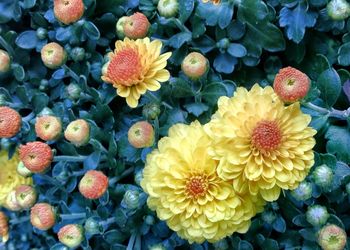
136 26
195 65
43 216
141 135
71 235
4 227
5 61
10 122
78 132
291 85
93 184
26 196
53 55
48 127
11 202
68 11
36 156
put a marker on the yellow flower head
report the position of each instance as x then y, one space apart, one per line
262 145
135 67
9 178
186 192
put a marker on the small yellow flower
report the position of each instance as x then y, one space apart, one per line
186 192
9 178
262 145
135 67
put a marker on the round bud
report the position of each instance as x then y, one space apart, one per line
68 11
93 184
77 54
151 111
23 171
43 216
78 132
36 156
131 199
149 219
48 128
4 227
168 8
323 176
41 33
268 217
136 26
159 246
26 196
10 122
46 112
11 202
73 91
291 85
120 27
195 65
303 192
92 226
53 55
224 43
5 61
338 10
332 237
317 215
71 235
141 135
44 85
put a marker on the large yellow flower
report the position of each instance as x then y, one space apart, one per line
185 190
135 67
262 145
9 178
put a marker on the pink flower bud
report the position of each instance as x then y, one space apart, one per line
78 132
93 184
136 26
43 216
71 235
53 55
10 122
195 65
26 196
36 156
141 135
68 11
5 61
48 127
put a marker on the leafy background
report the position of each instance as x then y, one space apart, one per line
246 42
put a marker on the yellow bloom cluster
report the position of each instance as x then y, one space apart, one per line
207 182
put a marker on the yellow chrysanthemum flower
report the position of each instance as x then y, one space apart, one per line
262 145
186 192
9 178
135 67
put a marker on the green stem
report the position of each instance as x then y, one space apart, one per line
108 221
340 114
19 220
7 46
73 216
71 73
132 241
157 100
79 158
28 117
123 175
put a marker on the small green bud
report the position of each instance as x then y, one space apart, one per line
46 112
223 43
92 226
3 100
41 33
268 217
149 219
23 171
77 54
317 215
138 177
151 111
71 235
73 91
323 176
168 8
332 237
338 10
131 199
303 191
120 27
157 247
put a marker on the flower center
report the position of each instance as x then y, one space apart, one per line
197 186
266 136
125 67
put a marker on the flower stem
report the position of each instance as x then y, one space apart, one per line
19 220
28 117
108 221
157 100
71 73
78 158
73 216
7 46
132 241
340 114
123 175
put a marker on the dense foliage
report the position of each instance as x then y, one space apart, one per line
245 42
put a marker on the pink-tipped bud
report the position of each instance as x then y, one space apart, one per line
36 156
71 235
10 122
4 227
136 26
5 61
195 65
93 184
120 26
26 196
141 135
11 202
68 11
48 128
53 55
78 132
291 85
332 237
43 216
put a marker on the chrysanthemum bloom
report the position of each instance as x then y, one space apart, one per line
186 192
135 67
78 132
26 196
71 235
4 227
332 237
68 11
10 122
168 8
136 26
43 216
36 156
53 55
5 61
48 127
93 184
291 84
195 65
141 135
9 178
262 145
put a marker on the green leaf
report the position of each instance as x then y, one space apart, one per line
216 14
339 142
91 31
344 54
237 50
181 88
245 245
39 102
179 39
212 92
27 40
252 11
196 108
270 244
185 9
18 72
9 9
330 86
296 20
27 4
225 63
